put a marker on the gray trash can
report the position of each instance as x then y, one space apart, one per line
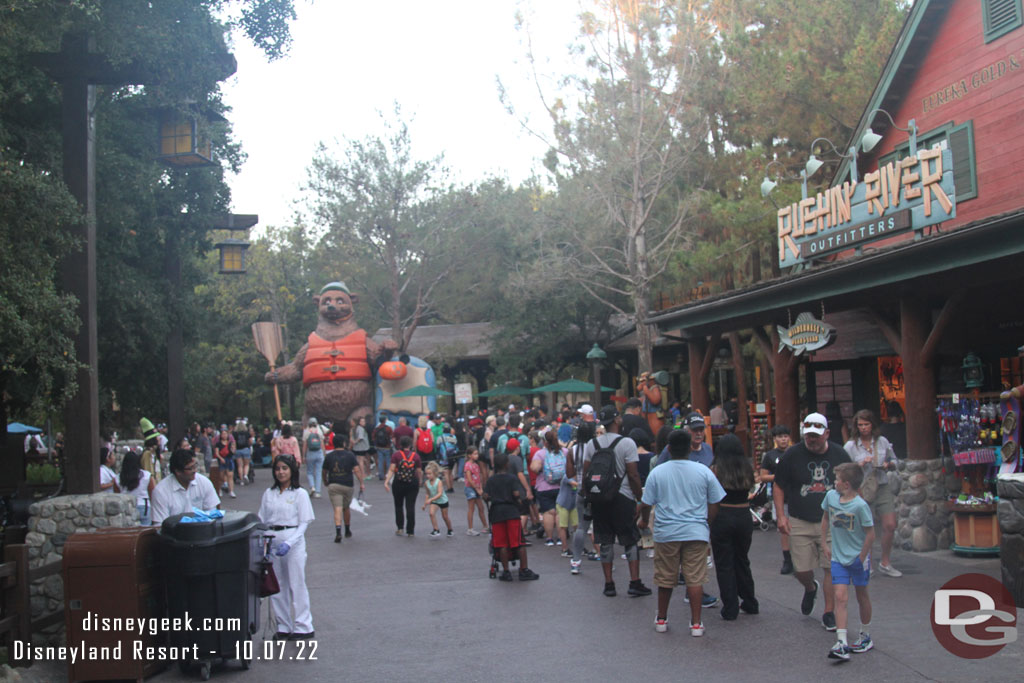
210 572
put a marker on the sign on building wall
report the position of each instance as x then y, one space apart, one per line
905 194
806 335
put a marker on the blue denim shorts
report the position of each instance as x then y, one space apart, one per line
858 574
471 493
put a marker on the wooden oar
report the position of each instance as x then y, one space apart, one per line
270 343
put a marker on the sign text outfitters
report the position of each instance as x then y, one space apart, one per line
841 216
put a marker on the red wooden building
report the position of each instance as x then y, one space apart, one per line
910 290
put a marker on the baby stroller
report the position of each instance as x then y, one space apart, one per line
761 507
513 558
513 553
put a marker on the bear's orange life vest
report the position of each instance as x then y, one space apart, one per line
330 360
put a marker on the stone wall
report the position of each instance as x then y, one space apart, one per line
50 523
1011 526
923 522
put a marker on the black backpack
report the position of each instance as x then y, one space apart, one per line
405 470
381 438
241 439
602 481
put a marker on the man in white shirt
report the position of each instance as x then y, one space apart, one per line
36 441
183 491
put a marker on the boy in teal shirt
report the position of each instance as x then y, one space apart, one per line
848 517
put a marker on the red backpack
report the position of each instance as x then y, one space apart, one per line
424 442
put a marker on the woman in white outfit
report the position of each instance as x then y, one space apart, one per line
286 509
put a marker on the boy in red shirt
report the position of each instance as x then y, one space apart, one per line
504 492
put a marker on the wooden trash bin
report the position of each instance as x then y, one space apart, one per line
112 574
976 529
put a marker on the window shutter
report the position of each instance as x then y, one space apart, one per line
1000 17
961 143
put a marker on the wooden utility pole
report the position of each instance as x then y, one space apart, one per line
79 70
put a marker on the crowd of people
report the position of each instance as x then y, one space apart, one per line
580 478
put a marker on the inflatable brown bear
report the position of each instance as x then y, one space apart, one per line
336 363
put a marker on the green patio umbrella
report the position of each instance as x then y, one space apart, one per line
506 390
569 385
422 391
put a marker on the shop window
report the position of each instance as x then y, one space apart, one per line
1000 17
960 140
834 395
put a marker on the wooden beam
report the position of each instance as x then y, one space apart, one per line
709 354
931 344
762 341
889 331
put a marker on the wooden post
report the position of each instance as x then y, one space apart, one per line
78 273
784 367
16 596
919 378
700 398
916 340
742 422
175 343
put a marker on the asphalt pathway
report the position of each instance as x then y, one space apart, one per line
387 608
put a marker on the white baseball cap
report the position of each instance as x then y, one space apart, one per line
586 409
815 423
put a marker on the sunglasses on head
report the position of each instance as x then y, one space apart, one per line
814 425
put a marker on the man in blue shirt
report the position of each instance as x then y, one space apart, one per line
700 450
685 497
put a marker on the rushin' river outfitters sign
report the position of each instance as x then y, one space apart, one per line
908 193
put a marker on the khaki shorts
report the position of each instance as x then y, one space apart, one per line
805 545
567 518
341 496
884 502
692 556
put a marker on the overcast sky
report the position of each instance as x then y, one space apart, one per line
438 59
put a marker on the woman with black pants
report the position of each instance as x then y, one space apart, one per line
405 476
732 529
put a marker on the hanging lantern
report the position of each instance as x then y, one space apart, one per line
393 369
232 255
974 373
179 142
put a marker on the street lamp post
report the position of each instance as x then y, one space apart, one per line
595 356
175 344
79 70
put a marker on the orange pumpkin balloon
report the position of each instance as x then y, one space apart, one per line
393 369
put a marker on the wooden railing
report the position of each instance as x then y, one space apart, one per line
16 621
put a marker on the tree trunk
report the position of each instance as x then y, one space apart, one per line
644 348
394 284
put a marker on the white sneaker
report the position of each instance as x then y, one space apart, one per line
574 566
472 532
232 494
660 625
889 570
696 630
